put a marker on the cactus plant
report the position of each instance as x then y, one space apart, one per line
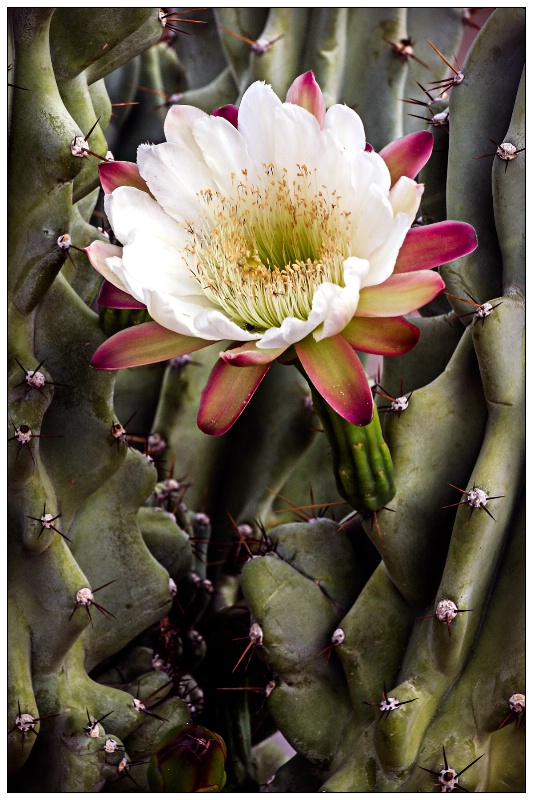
158 610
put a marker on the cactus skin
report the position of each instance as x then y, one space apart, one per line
463 426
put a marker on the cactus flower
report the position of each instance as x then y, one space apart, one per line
277 229
190 758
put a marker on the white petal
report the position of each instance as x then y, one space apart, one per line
381 174
130 284
369 169
341 309
194 317
298 140
116 275
405 196
213 322
355 271
290 331
129 210
346 129
352 182
175 176
153 253
383 258
257 123
342 304
153 256
334 173
372 222
176 314
179 124
224 151
104 257
158 265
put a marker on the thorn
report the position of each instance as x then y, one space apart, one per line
256 640
438 52
404 50
470 765
14 85
258 46
46 521
96 155
85 597
92 129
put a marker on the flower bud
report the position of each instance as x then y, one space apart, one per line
190 758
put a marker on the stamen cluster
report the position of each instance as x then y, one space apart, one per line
261 254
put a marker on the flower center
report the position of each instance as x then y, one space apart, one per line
263 251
